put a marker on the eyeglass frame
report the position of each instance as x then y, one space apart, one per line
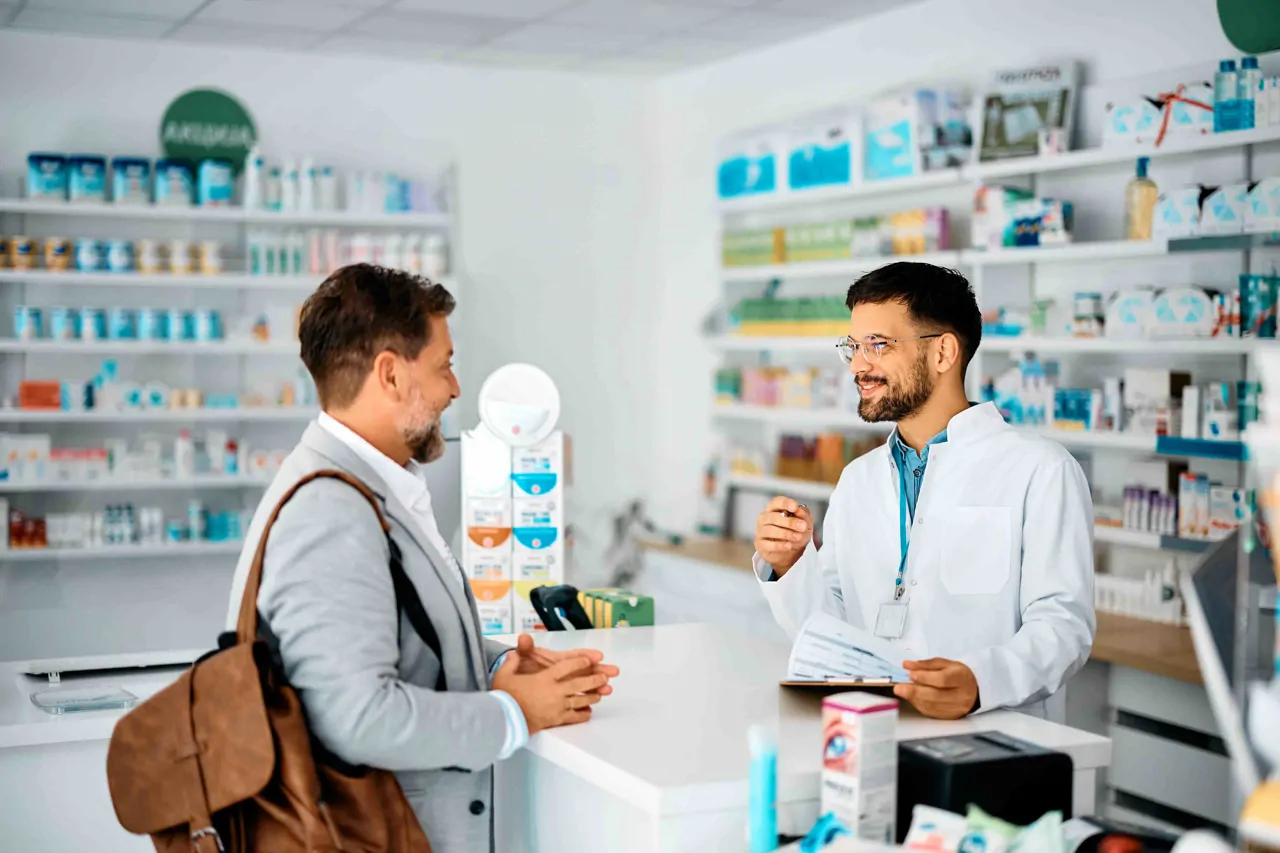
855 347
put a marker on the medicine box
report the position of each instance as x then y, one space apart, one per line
1177 212
486 564
751 164
1225 210
537 470
991 217
489 538
759 247
622 609
1263 213
592 601
526 617
537 512
819 241
541 564
890 138
494 603
486 465
819 150
487 512
1149 396
860 764
1226 511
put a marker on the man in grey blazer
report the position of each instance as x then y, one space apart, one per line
377 343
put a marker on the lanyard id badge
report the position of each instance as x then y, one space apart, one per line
891 620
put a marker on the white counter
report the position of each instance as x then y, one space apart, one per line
663 764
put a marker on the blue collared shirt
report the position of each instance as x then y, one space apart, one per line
911 467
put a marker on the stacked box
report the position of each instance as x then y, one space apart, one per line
819 241
494 603
611 607
759 247
526 617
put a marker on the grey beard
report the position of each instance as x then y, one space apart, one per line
426 445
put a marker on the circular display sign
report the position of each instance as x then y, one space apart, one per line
205 123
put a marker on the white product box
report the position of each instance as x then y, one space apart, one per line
487 512
494 604
538 470
1191 411
542 564
1177 212
1225 209
860 763
1226 511
489 538
1263 213
486 465
1187 505
526 618
538 512
1149 395
486 564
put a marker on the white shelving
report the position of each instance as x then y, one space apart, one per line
244 347
748 343
116 484
818 418
800 198
789 486
179 550
1110 535
833 269
226 281
229 215
248 414
1188 346
1101 250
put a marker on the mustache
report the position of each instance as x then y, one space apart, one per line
863 377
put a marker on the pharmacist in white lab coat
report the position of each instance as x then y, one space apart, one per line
967 542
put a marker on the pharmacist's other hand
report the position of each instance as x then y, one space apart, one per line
534 660
560 695
783 531
940 688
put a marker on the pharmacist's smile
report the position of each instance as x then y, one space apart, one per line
870 387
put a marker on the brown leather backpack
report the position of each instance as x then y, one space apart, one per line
222 760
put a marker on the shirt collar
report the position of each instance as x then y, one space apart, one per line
406 483
902 449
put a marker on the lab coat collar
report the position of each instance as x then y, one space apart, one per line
974 423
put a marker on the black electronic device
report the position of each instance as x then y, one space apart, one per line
552 602
1009 778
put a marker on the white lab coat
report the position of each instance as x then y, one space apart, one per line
1000 565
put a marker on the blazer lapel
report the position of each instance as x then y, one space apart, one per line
322 441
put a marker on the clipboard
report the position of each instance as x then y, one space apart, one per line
825 686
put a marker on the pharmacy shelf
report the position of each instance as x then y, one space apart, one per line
835 269
776 201
1098 440
180 550
1151 541
782 416
748 343
789 486
248 414
1096 157
114 484
149 347
226 281
230 215
1185 346
1101 250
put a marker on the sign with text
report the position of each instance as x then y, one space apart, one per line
203 123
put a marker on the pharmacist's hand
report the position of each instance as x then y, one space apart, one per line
940 688
560 695
782 538
534 660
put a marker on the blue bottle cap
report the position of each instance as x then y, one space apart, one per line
1143 163
1249 62
1227 65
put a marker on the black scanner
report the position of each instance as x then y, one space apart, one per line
1008 778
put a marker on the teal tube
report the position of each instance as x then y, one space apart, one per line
762 811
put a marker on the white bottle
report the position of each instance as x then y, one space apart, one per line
327 188
184 456
251 196
307 185
273 191
289 190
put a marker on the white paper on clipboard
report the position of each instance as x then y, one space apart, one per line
827 647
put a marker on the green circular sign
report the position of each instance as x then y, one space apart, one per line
206 123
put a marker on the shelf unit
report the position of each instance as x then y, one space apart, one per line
226 215
798 418
120 552
247 414
1227 347
232 347
224 281
120 484
942 179
834 269
1148 541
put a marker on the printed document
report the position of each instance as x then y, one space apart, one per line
830 648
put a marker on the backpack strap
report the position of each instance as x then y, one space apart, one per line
407 600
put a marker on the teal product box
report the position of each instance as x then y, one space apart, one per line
820 151
214 183
890 135
751 165
174 183
87 178
130 180
1258 300
535 538
47 177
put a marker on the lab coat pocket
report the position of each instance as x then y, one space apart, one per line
975 553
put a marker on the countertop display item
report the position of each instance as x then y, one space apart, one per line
1140 196
520 404
1022 102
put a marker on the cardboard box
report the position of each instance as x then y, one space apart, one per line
538 470
1149 397
991 218
538 512
494 603
622 609
860 764
1263 213
751 163
487 512
487 564
1191 412
526 618
819 149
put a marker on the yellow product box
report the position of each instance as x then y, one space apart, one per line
752 248
526 618
819 241
494 604
486 564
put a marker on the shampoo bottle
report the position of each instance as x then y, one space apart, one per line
307 185
1139 204
251 196
1247 92
184 456
1226 85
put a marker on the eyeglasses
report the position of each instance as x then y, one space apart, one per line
872 349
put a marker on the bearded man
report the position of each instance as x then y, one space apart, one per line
981 573
377 692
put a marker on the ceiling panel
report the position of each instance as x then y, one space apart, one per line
294 16
505 57
433 29
555 38
167 10
521 10
727 4
751 28
246 36
635 17
686 49
350 4
844 10
62 21
384 47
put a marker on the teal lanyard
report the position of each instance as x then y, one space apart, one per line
904 535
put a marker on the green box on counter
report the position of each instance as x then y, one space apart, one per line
819 241
751 248
616 608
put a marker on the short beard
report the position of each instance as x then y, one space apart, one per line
426 443
902 400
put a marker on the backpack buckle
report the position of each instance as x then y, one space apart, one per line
207 832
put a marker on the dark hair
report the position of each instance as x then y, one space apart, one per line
358 312
935 296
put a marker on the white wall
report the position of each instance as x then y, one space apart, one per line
557 203
936 40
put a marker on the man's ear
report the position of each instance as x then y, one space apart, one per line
950 353
386 372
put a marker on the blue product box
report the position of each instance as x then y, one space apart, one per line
750 165
87 177
890 137
820 151
47 177
214 183
174 183
130 180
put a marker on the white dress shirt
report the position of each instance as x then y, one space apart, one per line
409 486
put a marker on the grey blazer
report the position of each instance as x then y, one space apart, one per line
365 677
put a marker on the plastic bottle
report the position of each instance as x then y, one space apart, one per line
274 189
762 808
1247 92
289 188
1226 84
184 455
1139 204
307 185
251 195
